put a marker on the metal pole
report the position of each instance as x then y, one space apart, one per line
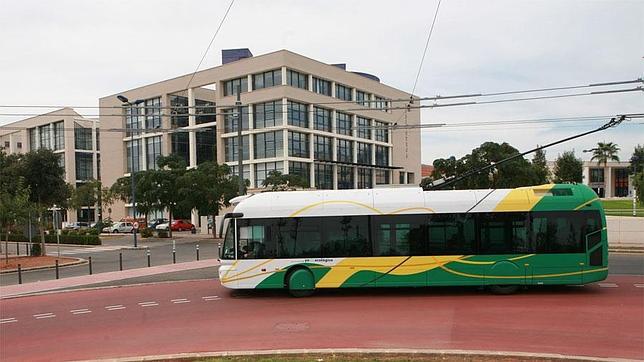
240 143
57 275
19 274
148 252
120 261
197 252
29 247
90 265
18 248
132 174
174 252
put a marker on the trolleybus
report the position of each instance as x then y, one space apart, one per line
389 237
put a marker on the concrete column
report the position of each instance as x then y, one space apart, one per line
335 176
333 89
312 174
192 121
284 80
194 217
608 182
310 78
250 82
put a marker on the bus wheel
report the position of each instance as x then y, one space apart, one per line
300 282
503 289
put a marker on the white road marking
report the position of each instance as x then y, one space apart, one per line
88 250
210 297
8 320
639 285
180 301
80 311
44 315
608 285
148 304
115 307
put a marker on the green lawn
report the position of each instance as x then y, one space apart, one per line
622 207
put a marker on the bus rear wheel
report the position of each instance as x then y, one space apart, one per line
300 283
503 289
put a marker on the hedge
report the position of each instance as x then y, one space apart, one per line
64 239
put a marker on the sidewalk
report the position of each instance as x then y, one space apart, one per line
50 285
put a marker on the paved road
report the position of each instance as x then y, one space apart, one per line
602 320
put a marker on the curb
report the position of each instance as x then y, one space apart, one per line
409 351
78 261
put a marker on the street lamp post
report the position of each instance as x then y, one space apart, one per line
131 105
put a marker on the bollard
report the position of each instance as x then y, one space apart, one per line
19 274
27 249
57 275
148 257
18 248
174 252
197 252
90 265
121 261
219 250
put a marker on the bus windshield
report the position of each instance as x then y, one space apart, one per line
228 251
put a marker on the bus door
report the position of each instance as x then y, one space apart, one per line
562 256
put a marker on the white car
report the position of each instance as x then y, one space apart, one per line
119 227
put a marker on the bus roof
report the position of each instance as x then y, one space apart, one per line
391 201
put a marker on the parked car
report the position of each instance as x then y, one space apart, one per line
119 227
153 223
76 225
177 225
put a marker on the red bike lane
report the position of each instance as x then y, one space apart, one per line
601 320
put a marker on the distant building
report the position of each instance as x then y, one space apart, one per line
300 116
71 136
611 180
426 170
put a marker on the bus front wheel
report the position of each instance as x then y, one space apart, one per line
300 282
504 289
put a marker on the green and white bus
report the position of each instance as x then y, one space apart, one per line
390 237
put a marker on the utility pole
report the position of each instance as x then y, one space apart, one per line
240 145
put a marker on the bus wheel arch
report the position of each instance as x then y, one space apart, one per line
299 281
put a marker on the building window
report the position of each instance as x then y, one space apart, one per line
362 98
153 151
133 120
19 144
45 137
343 123
323 148
267 79
33 140
59 136
231 146
345 177
301 169
380 103
363 126
382 177
401 177
298 115
178 111
267 114
131 147
621 182
230 86
263 169
597 175
382 155
364 153
206 145
82 137
364 178
153 113
297 79
61 163
381 131
345 151
269 144
7 144
343 92
298 144
204 112
410 177
322 86
98 166
84 166
234 171
230 119
98 139
322 119
323 176
180 145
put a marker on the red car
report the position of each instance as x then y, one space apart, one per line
177 225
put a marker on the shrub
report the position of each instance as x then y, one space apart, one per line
81 232
146 233
65 231
163 234
93 231
64 239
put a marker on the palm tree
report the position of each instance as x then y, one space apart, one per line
605 152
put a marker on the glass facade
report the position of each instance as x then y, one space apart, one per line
380 103
267 114
230 119
152 151
267 79
298 144
297 79
322 86
45 137
263 169
382 177
298 114
84 166
345 150
302 169
362 98
59 136
230 148
364 153
206 145
323 148
363 126
133 120
343 123
153 113
343 92
345 177
131 146
322 119
179 143
82 137
381 131
230 86
205 111
323 176
596 175
382 155
33 140
269 144
179 111
364 178
234 171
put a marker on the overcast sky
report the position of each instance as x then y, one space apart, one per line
73 52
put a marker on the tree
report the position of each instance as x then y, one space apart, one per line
277 181
605 152
86 195
638 183
637 160
540 167
14 207
568 168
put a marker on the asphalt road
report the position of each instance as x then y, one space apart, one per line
602 320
